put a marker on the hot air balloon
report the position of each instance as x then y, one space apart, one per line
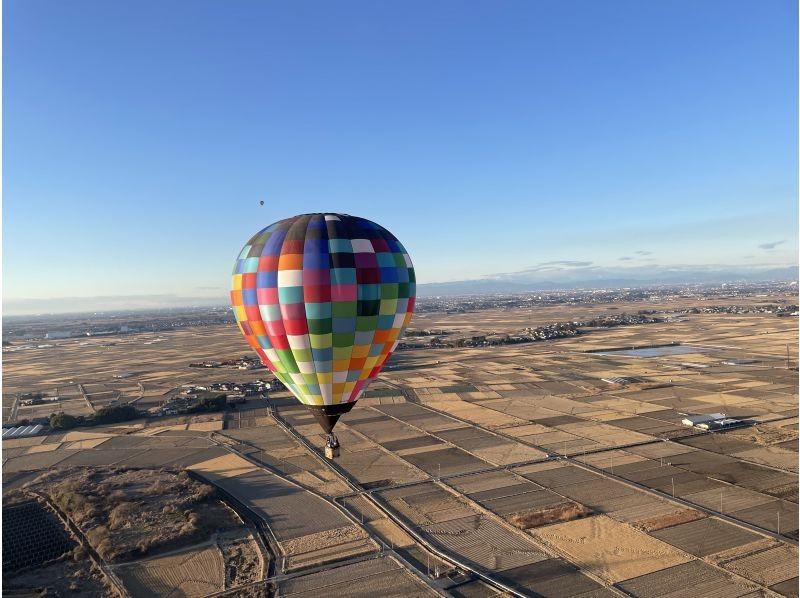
323 299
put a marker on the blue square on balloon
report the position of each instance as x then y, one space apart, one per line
340 246
344 324
290 295
274 243
267 280
312 246
249 297
389 275
367 292
315 261
385 259
322 355
385 322
323 367
343 276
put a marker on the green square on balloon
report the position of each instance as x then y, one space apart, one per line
345 309
344 339
366 323
323 326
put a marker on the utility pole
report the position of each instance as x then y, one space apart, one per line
673 487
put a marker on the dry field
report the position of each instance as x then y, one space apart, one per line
328 545
192 573
768 567
689 580
376 577
134 445
309 530
611 550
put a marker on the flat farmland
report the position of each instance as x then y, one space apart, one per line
376 577
192 573
611 550
309 530
706 536
688 580
153 363
577 441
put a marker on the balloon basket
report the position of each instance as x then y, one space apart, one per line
332 446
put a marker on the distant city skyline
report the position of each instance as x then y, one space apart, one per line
522 141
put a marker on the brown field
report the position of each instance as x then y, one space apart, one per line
192 573
706 536
376 577
557 514
767 567
654 524
688 580
317 548
611 550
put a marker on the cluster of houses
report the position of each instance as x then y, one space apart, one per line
245 362
36 398
527 335
235 392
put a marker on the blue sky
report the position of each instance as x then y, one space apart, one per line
489 136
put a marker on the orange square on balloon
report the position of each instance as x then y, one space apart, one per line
257 327
291 261
359 351
357 364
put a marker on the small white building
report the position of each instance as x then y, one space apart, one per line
701 418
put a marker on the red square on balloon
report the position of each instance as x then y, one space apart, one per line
295 327
249 280
317 293
267 263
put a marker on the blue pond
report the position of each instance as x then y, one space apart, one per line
659 351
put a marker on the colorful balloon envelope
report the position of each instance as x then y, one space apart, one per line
323 299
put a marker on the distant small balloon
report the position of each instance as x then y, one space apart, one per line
261 202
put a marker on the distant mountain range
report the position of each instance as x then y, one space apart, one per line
591 278
551 276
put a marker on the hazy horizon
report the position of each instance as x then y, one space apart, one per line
489 285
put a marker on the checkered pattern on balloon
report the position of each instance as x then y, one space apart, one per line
323 299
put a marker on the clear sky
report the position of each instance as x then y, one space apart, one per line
489 136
